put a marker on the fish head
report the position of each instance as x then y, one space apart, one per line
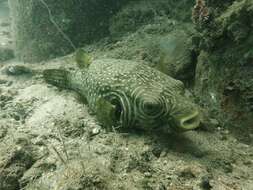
155 107
152 108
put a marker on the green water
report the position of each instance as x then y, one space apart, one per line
4 9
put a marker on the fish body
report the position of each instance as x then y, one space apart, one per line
128 93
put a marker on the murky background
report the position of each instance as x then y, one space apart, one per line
4 9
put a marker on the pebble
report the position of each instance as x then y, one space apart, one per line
225 132
95 131
147 174
157 150
205 183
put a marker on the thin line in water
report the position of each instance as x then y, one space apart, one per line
57 26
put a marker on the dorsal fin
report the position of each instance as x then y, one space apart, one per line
83 59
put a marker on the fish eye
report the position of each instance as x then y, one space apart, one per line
150 107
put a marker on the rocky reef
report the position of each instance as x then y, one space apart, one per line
223 80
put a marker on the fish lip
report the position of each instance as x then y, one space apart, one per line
188 122
195 121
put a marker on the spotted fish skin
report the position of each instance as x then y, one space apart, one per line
141 95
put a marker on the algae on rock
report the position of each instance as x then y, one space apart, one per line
224 70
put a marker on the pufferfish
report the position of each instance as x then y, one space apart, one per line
128 94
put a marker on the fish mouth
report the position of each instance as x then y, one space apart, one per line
188 122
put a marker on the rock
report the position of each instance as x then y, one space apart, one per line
17 70
205 183
95 131
157 150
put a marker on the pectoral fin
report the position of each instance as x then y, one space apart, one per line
106 113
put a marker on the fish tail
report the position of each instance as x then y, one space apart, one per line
57 77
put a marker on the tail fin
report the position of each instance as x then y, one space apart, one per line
57 77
